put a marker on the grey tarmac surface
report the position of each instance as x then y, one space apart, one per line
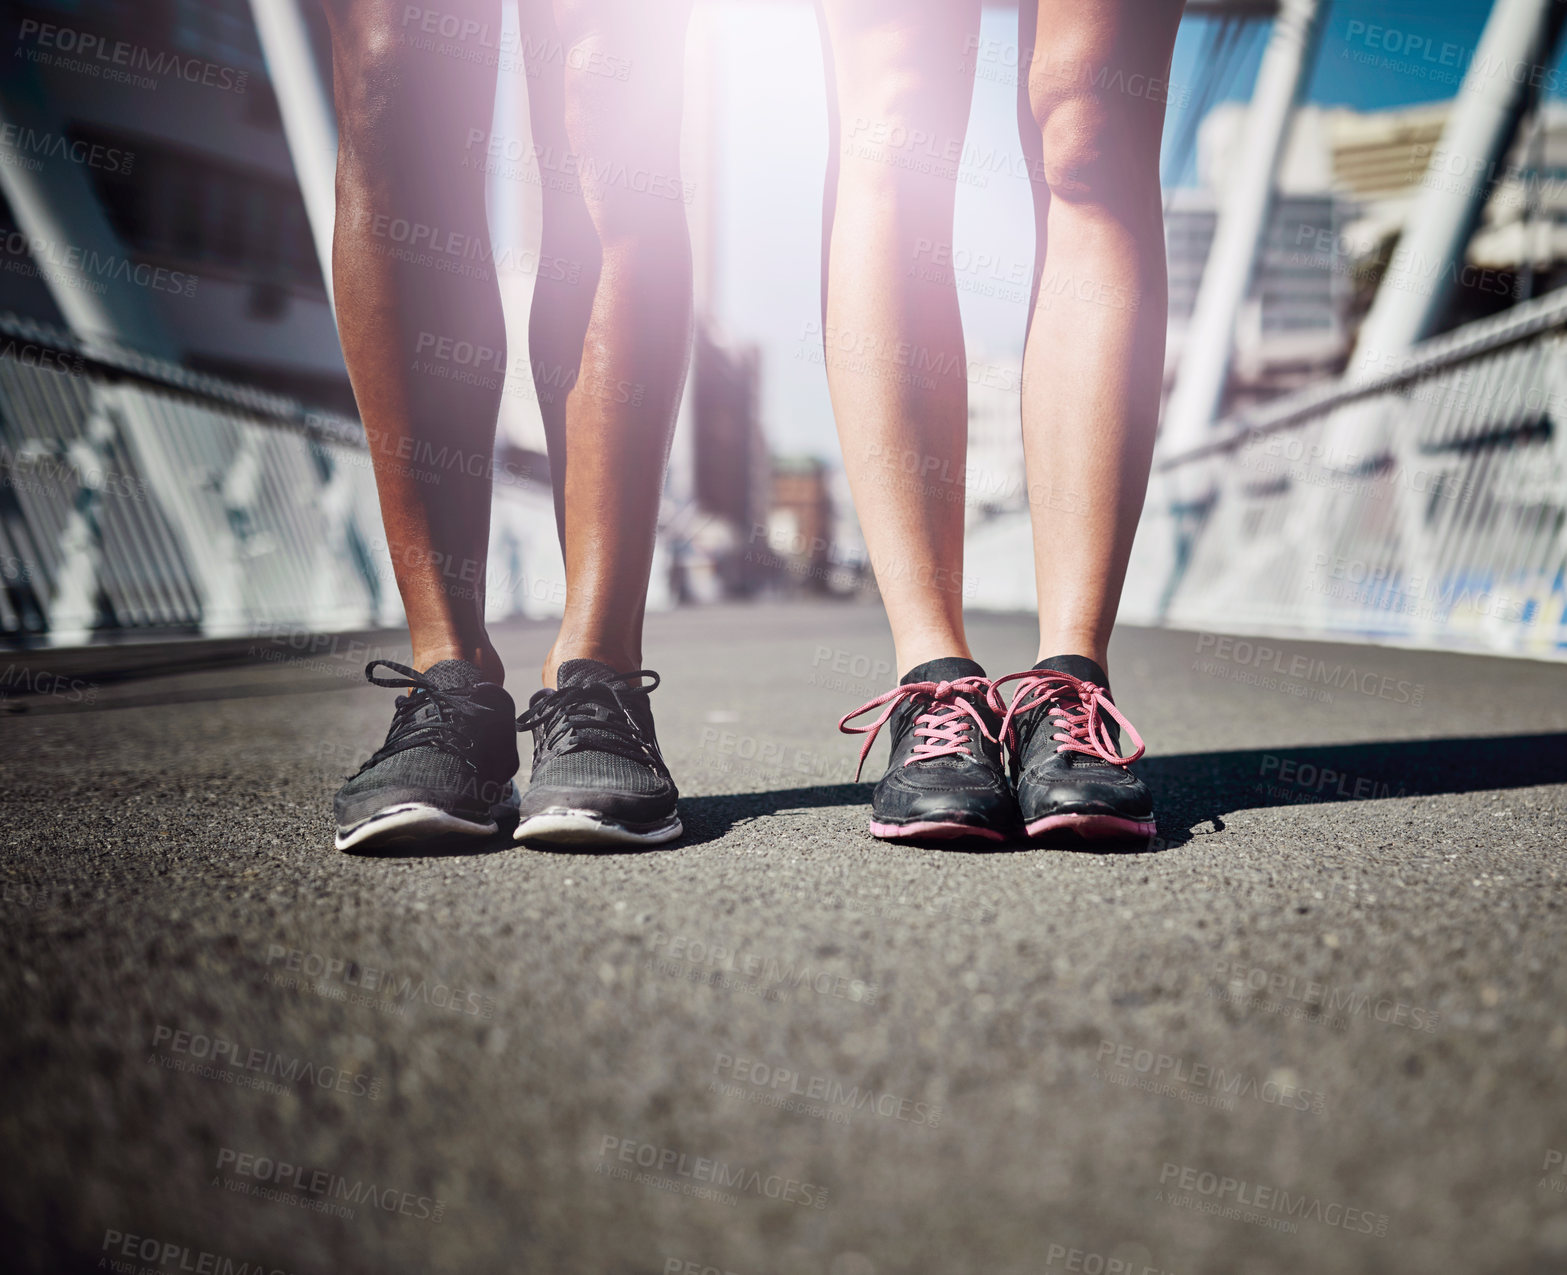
1318 1028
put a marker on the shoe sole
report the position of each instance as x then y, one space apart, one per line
932 830
589 828
414 822
1093 827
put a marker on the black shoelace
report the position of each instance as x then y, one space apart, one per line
594 716
449 728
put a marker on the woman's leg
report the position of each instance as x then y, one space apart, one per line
404 114
610 346
899 98
1091 115
1090 111
898 107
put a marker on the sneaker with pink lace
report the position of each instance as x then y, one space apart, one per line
1063 732
945 778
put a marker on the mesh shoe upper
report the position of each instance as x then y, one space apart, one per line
452 745
594 746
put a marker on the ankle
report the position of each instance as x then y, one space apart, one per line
910 655
1098 652
620 658
482 655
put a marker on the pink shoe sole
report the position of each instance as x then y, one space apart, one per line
1093 827
933 830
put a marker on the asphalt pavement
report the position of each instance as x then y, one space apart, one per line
1320 1026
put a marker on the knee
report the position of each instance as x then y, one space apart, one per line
1098 138
1078 155
624 141
370 67
890 105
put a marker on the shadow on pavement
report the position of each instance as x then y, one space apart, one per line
709 818
1192 789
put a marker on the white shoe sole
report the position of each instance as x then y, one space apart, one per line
410 823
585 828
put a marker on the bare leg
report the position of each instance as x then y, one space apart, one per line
609 348
898 108
1091 119
404 199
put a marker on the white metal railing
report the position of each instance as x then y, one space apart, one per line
138 496
1424 502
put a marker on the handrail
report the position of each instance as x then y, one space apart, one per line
1512 327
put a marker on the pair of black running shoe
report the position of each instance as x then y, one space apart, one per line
445 770
598 778
966 764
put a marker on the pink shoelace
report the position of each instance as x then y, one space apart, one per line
1085 731
943 730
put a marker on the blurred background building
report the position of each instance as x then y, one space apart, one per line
1366 226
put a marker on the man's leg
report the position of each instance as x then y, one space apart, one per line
609 348
899 98
420 320
610 343
425 345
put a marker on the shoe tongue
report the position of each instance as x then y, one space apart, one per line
947 669
1078 666
583 673
448 675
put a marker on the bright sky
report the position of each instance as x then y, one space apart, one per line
772 150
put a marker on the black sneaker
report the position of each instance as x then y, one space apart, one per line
598 777
446 767
944 777
1064 733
